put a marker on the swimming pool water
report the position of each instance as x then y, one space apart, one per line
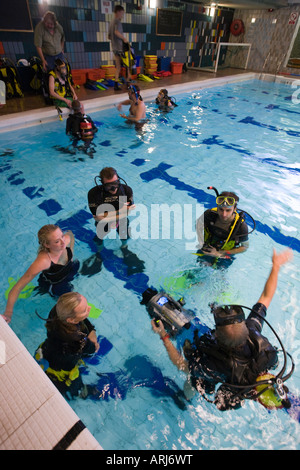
242 137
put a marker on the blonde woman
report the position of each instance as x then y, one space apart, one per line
70 337
54 263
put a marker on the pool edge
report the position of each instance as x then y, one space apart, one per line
34 415
36 117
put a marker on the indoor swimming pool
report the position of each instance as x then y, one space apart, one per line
242 137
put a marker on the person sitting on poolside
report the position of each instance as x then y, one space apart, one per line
221 231
70 337
60 87
110 203
137 110
54 263
164 102
235 353
79 125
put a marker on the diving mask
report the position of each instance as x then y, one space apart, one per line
112 186
225 201
227 314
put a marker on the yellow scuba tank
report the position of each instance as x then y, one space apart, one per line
269 398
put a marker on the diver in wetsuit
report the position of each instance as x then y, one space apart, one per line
79 125
109 203
222 232
60 87
235 353
164 102
54 263
70 337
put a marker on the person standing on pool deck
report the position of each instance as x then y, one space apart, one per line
116 200
54 262
49 39
115 34
221 231
235 353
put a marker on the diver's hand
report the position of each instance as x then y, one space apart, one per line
158 328
7 316
211 251
278 259
68 103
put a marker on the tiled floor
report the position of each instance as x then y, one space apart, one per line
33 414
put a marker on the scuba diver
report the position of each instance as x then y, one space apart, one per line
70 337
235 354
78 124
110 203
222 231
60 87
137 110
81 127
54 263
164 102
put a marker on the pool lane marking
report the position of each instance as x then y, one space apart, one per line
208 201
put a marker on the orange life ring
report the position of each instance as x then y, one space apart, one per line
237 27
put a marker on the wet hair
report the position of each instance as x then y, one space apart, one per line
108 173
59 63
66 305
76 105
232 336
118 8
51 15
43 236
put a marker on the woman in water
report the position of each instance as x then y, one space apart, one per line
54 263
70 337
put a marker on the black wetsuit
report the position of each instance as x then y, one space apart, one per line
217 236
98 196
56 278
210 363
63 351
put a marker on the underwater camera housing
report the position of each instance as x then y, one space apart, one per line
162 306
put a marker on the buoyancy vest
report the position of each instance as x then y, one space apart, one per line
9 75
61 89
231 241
241 366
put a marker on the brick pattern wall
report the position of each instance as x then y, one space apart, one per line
86 30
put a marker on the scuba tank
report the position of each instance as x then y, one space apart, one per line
86 130
162 306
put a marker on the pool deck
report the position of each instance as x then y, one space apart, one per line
32 110
34 415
